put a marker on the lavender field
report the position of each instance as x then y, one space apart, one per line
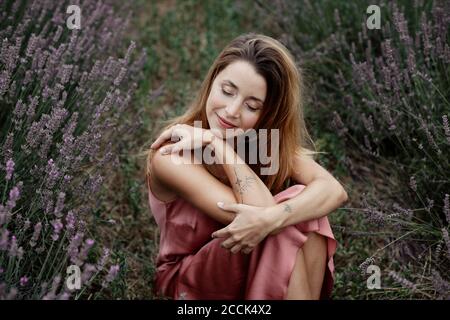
81 102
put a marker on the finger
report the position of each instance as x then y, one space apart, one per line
173 148
179 133
247 250
176 148
228 244
234 207
224 232
167 149
236 248
166 135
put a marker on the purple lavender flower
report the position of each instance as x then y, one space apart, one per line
59 204
368 122
130 49
9 169
363 266
446 127
446 240
120 77
23 281
7 146
73 248
70 221
26 225
57 227
53 174
440 285
112 274
103 259
13 247
431 141
36 234
14 195
51 295
3 215
88 272
401 280
85 250
31 47
447 207
339 125
4 240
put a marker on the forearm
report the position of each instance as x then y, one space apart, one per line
318 199
247 186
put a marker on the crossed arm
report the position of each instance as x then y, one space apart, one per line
322 194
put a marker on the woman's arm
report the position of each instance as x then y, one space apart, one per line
192 182
188 179
247 186
322 195
318 199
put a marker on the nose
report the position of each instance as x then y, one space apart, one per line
232 110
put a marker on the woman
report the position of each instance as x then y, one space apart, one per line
223 235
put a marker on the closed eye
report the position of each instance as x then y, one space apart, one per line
251 108
248 106
226 93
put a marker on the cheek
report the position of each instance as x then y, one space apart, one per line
215 101
212 104
249 120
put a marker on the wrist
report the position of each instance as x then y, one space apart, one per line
276 218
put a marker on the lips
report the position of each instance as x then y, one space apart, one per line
225 124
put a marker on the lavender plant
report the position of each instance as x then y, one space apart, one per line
400 102
64 108
391 103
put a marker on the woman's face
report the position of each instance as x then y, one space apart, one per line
236 98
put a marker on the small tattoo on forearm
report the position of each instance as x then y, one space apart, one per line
287 208
243 184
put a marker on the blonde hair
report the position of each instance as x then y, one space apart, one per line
283 106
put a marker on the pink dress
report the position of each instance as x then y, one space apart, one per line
191 265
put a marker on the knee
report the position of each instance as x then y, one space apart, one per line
316 247
317 239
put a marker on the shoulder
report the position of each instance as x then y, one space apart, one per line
174 170
160 163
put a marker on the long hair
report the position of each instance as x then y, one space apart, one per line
283 106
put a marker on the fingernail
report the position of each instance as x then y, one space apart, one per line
163 151
220 204
213 235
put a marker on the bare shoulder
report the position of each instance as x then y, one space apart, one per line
170 171
182 176
160 190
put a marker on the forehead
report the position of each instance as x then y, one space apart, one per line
244 76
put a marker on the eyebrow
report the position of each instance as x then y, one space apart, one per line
236 87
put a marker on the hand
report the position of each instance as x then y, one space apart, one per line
187 138
250 226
